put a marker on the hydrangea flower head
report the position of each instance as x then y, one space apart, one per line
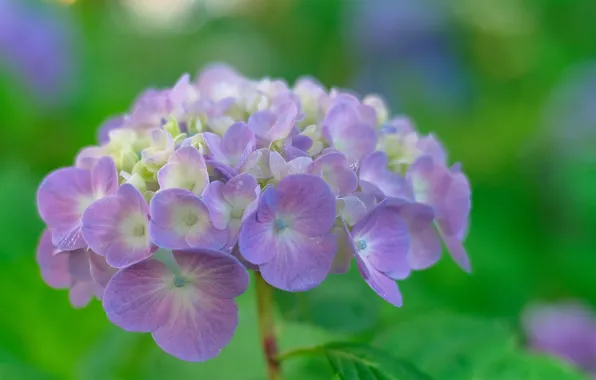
200 182
565 329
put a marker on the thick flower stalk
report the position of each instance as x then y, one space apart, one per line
202 181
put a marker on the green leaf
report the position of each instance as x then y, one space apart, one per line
524 366
358 362
448 346
347 296
354 361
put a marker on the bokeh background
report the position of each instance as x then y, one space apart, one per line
509 86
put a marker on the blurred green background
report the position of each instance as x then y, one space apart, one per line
508 86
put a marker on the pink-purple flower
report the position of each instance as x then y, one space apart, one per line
289 235
202 181
189 309
566 329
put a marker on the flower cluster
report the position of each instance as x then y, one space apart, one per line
566 329
208 178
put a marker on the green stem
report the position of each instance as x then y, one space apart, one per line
267 327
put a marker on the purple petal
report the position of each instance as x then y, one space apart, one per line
347 134
192 320
237 142
257 241
200 331
268 205
117 227
101 271
457 251
241 191
88 157
180 220
139 297
376 179
456 206
219 208
430 146
425 243
186 169
382 239
104 177
308 204
565 329
448 192
214 77
214 273
78 265
109 125
276 123
351 209
280 168
380 283
301 142
334 169
300 262
61 199
81 294
345 249
54 268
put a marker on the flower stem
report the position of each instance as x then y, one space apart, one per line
267 327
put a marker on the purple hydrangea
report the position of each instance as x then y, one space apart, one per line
200 182
37 44
565 329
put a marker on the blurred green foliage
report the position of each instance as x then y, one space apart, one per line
533 229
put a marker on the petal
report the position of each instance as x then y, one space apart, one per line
213 143
61 199
107 126
257 240
375 175
351 209
457 251
81 294
345 249
381 237
277 164
117 227
218 206
300 262
241 191
347 134
140 297
101 271
307 203
268 205
334 169
456 206
68 238
380 283
203 315
54 268
425 243
237 140
198 332
88 157
180 220
78 265
186 169
257 164
104 177
214 273
430 182
302 142
429 145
